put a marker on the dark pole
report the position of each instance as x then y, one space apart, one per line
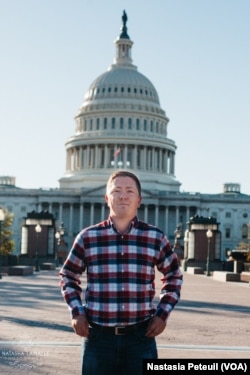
58 240
209 236
38 230
2 217
59 234
208 257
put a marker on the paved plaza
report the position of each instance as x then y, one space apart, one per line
212 320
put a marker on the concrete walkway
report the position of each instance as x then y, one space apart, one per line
212 320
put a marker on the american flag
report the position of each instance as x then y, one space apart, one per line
117 152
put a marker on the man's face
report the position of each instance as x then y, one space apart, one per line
122 197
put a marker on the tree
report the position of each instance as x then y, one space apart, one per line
7 245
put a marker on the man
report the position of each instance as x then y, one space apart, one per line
119 322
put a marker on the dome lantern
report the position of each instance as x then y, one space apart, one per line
123 45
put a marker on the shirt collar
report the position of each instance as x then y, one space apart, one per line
133 224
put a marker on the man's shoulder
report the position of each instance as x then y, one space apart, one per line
96 227
148 227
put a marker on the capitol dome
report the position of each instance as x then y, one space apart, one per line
125 82
120 124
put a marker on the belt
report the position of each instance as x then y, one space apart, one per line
120 330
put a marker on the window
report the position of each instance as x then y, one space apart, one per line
105 124
137 124
121 123
227 233
130 123
228 214
151 126
244 231
145 125
113 122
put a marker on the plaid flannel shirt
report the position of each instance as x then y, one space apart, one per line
120 286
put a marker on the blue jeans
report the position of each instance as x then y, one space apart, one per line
108 354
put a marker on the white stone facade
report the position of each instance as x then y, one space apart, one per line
122 125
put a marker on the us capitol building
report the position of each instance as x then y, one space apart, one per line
121 125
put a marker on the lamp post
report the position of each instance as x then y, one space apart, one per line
185 260
58 235
209 234
38 230
177 245
177 234
2 217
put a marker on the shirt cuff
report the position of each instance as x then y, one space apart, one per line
77 311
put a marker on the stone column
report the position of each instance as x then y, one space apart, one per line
103 212
80 158
156 215
177 216
70 219
92 213
81 213
166 220
145 213
106 157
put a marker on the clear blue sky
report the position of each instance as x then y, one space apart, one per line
195 52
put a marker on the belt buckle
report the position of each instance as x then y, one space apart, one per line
119 331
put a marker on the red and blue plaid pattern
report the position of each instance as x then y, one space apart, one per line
121 274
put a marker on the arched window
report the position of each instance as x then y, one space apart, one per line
137 124
130 123
244 231
227 233
105 123
151 126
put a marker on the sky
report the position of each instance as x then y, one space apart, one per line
195 52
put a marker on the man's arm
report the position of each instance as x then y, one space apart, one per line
172 280
70 275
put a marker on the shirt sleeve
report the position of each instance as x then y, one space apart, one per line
171 279
70 275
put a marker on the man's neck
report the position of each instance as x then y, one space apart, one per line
122 225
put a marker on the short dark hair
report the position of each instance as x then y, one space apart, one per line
125 173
